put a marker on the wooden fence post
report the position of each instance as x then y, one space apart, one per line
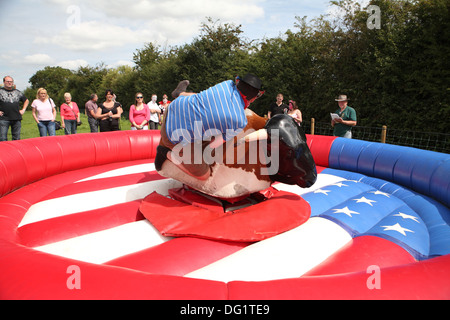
383 134
313 122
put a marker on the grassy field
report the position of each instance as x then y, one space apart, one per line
30 128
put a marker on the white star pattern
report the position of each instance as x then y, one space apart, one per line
346 210
397 227
381 193
364 200
340 185
407 216
322 191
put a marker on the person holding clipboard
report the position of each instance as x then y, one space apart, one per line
343 119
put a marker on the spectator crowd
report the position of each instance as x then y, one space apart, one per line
106 116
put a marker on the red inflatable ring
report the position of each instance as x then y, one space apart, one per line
70 227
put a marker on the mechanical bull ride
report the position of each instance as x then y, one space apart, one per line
260 155
228 176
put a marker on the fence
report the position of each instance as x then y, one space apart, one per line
439 142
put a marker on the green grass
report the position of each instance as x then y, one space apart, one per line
30 128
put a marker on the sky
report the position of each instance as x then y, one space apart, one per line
73 33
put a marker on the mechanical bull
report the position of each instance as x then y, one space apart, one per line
262 153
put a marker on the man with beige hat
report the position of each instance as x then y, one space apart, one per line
345 119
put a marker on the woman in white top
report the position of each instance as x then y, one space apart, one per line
44 113
294 112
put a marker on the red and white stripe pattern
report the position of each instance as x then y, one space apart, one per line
97 220
79 209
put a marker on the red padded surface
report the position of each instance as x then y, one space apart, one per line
178 256
422 280
320 148
362 252
282 212
29 274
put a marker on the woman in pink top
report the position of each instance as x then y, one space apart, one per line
139 114
44 113
70 115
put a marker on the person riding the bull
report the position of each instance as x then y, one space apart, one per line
219 112
220 108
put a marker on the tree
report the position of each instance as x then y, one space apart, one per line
220 53
156 70
407 70
86 81
54 80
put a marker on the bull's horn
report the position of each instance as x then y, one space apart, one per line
260 134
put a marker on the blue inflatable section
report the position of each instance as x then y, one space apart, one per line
423 171
397 193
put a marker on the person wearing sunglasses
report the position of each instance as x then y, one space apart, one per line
139 113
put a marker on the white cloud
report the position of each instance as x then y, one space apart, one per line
38 59
10 57
120 23
99 36
92 36
181 9
73 64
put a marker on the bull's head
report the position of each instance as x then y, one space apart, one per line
296 164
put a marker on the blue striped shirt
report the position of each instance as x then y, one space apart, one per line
217 110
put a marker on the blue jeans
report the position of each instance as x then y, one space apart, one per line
15 125
46 128
71 126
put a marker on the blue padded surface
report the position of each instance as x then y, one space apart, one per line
419 179
423 171
365 205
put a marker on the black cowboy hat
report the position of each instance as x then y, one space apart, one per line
252 80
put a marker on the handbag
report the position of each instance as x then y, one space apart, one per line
57 123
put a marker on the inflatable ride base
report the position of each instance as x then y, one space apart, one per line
71 226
